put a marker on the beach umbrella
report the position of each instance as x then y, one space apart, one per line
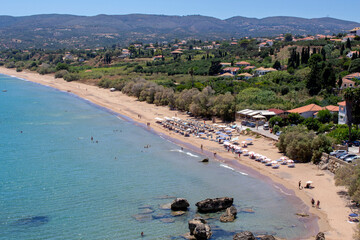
309 182
290 161
274 162
353 215
283 158
249 139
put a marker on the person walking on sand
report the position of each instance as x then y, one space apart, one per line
312 202
201 147
300 184
318 204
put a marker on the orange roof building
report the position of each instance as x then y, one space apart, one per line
306 111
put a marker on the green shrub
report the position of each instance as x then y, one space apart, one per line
71 77
61 73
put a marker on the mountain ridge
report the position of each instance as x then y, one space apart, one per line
66 30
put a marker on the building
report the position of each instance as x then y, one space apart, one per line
351 54
249 114
355 31
226 75
262 71
347 81
342 113
244 76
306 111
224 64
232 70
242 64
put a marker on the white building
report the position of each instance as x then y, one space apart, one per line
342 113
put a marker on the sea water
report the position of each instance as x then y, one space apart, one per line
72 170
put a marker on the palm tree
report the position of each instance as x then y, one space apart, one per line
349 98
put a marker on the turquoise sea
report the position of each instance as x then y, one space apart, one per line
57 183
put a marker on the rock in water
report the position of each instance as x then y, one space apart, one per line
205 160
229 215
180 204
320 236
177 213
199 229
244 236
267 237
214 205
33 221
202 232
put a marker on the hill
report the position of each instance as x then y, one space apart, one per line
60 30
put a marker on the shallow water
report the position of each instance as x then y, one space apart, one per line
56 183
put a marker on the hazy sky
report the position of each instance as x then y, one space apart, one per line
346 10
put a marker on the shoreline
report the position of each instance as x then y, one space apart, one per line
285 180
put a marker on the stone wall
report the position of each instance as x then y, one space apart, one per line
331 163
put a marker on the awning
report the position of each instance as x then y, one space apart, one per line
259 116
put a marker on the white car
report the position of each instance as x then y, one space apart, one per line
351 159
337 152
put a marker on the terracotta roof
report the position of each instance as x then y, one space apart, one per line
232 69
351 76
276 111
226 64
226 75
307 108
332 108
243 63
346 80
249 67
245 74
342 103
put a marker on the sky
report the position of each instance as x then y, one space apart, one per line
345 10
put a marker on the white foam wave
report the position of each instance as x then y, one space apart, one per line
23 79
288 194
192 155
232 169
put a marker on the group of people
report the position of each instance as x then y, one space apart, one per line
313 203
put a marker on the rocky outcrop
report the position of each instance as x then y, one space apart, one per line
229 215
180 204
214 205
330 163
199 229
320 236
244 236
267 237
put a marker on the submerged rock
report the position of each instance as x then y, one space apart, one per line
32 221
244 236
146 211
195 222
165 206
267 237
142 217
214 205
178 213
247 210
180 204
320 236
229 215
167 220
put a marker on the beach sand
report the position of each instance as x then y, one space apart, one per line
334 206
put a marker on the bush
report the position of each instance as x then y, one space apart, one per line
276 129
71 77
303 145
18 69
61 73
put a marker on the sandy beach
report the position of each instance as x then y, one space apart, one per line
334 207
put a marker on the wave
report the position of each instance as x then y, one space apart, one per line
23 79
187 153
282 191
232 169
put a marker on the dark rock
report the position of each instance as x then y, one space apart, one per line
267 237
180 204
244 236
214 205
202 232
194 223
229 215
320 236
205 160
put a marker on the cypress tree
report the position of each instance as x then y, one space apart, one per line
348 44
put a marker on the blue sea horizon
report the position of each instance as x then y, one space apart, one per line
72 170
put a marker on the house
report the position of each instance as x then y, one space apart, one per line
242 64
270 42
223 64
232 70
159 57
306 111
332 108
262 71
355 31
350 37
69 56
263 44
342 113
347 81
249 67
226 75
244 76
277 112
351 53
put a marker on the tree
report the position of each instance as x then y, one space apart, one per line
215 68
342 49
324 116
312 124
107 57
62 66
352 98
276 120
314 79
348 43
295 118
288 37
277 65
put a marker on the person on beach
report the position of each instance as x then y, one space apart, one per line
300 185
201 147
312 202
214 154
318 204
